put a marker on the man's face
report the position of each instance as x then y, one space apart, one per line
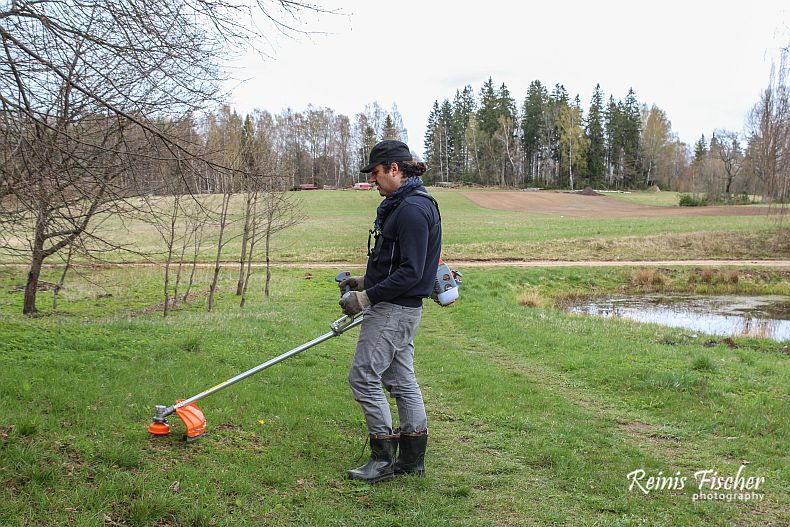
387 182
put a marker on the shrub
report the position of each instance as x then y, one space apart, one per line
687 200
742 199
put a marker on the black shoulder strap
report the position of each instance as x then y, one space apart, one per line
426 195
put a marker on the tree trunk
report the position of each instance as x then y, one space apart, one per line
62 280
223 220
36 260
198 234
167 287
253 239
268 268
244 241
247 276
570 159
31 287
178 271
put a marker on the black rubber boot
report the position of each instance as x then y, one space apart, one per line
382 460
411 457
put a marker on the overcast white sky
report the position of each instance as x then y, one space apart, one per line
703 62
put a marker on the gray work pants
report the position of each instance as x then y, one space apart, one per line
385 355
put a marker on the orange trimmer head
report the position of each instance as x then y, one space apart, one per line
192 417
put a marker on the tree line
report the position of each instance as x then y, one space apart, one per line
549 140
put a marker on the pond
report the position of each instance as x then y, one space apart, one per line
753 316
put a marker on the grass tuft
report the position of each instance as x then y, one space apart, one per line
703 363
648 278
192 344
27 428
670 380
713 277
531 298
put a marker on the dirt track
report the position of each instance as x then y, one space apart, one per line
775 264
572 205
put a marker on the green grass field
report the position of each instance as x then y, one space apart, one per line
536 416
656 199
336 224
659 199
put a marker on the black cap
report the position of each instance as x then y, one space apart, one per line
386 151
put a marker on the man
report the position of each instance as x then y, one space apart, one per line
401 271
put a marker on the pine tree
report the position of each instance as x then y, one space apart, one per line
715 144
532 121
487 118
389 130
596 151
429 145
506 135
623 133
558 102
488 113
446 146
700 149
560 94
632 129
614 161
462 108
698 165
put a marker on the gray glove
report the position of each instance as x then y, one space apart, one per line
354 302
356 283
435 296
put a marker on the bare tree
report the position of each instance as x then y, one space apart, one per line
728 150
247 151
197 225
506 136
84 89
170 237
222 216
273 208
655 140
278 211
769 145
344 153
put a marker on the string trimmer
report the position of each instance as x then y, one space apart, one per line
192 416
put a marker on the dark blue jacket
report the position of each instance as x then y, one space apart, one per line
402 266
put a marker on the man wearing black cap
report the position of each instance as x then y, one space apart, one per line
401 270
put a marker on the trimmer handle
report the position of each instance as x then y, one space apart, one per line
342 276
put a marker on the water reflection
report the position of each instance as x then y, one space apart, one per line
758 316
